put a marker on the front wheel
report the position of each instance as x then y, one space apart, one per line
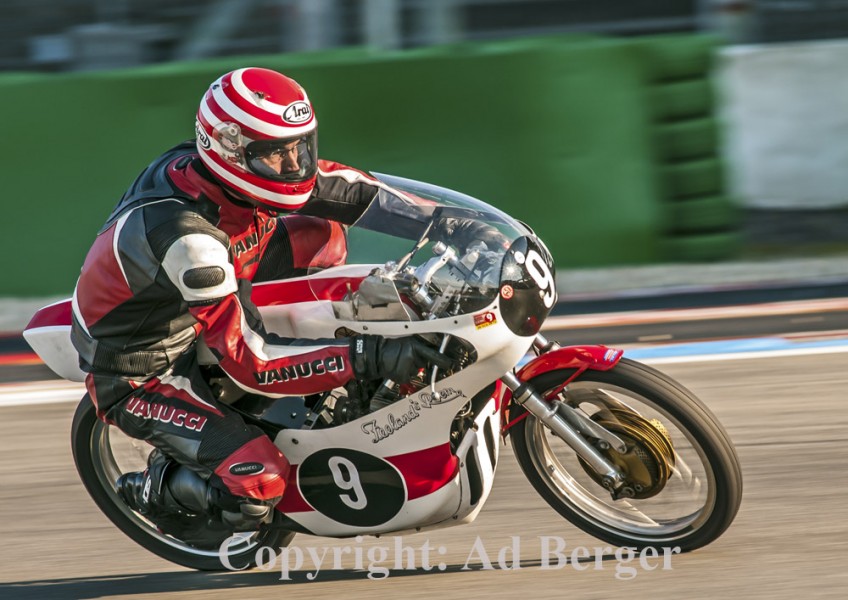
679 460
102 453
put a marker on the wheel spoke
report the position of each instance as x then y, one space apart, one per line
682 470
681 502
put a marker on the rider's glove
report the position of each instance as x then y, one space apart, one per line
463 232
398 359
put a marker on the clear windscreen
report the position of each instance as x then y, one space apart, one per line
420 250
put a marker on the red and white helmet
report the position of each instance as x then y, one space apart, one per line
257 134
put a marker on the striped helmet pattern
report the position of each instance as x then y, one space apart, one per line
253 104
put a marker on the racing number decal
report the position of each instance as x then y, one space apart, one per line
351 487
538 269
350 481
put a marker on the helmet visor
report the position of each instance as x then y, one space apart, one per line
292 160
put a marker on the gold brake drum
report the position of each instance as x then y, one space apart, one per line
647 462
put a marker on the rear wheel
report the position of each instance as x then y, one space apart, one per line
102 453
682 469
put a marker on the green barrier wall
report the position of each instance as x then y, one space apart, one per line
701 220
560 132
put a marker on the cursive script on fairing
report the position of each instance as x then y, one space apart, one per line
396 421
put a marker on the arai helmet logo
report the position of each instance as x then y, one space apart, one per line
297 112
202 138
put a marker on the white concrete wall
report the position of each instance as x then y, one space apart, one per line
785 108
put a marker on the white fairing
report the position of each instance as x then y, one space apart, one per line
458 501
53 345
410 425
480 450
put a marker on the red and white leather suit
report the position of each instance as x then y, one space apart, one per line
175 260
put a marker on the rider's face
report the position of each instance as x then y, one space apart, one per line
284 160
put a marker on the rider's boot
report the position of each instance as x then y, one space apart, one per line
168 488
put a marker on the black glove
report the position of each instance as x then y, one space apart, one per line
398 359
463 232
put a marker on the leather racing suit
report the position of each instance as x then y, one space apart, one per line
176 259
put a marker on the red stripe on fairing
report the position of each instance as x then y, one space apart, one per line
55 315
222 332
274 293
270 483
102 286
282 292
426 471
293 501
165 389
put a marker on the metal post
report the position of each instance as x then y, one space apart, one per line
210 32
382 24
734 20
314 26
439 21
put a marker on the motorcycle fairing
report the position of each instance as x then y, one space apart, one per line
49 335
438 488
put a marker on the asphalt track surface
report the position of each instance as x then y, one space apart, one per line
788 416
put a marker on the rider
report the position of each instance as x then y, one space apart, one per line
176 259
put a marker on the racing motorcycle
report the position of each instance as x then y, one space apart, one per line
617 448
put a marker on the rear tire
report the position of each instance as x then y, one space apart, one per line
98 468
590 507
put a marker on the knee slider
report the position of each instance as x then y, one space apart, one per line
257 470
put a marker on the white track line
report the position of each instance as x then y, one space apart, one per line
694 314
45 392
664 360
40 392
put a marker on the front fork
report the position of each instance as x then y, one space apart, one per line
524 394
542 345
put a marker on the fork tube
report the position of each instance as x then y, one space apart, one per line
527 397
542 345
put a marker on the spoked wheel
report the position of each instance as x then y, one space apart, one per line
681 470
102 453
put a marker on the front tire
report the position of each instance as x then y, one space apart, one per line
692 508
102 453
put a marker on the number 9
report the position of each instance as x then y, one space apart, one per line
356 499
541 274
